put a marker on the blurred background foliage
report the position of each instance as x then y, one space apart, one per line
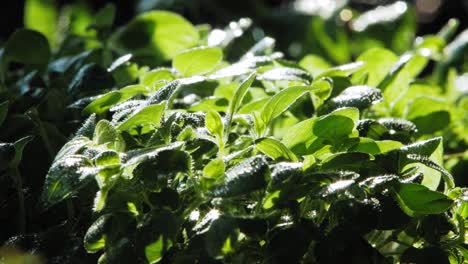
297 25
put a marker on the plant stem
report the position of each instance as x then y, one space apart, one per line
19 189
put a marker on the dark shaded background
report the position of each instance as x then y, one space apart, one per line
220 12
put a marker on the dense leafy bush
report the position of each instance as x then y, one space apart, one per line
195 150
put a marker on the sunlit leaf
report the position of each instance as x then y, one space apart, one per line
197 61
159 35
417 199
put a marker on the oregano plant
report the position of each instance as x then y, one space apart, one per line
188 152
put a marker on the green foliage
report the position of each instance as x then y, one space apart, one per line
27 47
42 16
416 199
197 61
156 35
200 150
147 115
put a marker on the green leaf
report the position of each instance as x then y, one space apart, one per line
106 101
396 83
425 105
337 124
360 97
429 114
155 250
432 149
336 187
243 67
398 125
282 172
239 94
342 70
95 239
87 128
65 177
274 149
154 169
448 178
253 106
416 90
165 93
211 103
197 61
19 147
424 148
147 115
80 16
247 176
106 158
105 133
42 15
218 236
214 169
27 47
346 161
90 78
310 135
3 111
370 146
72 147
125 74
377 64
156 232
417 199
314 64
286 74
323 90
156 36
105 16
281 101
214 124
156 76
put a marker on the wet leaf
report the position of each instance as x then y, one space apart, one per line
106 101
247 176
360 97
148 115
286 74
65 177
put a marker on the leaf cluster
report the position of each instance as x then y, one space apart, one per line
190 154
